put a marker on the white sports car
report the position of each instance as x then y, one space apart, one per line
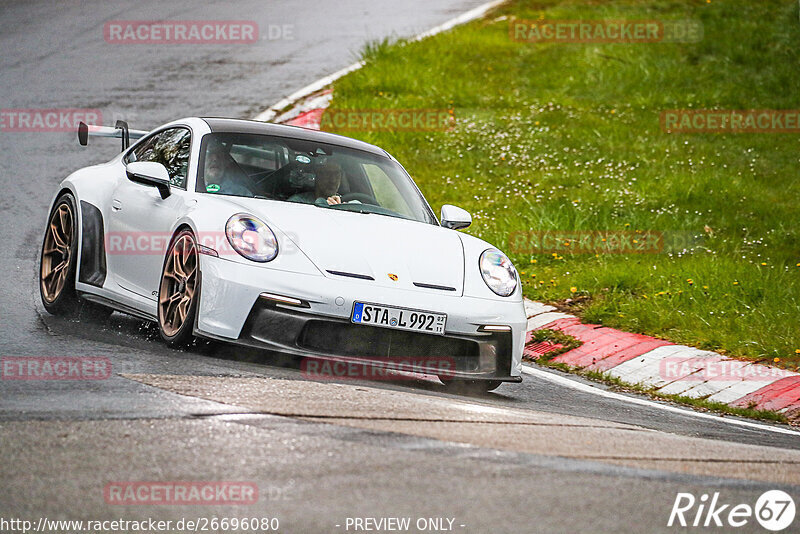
282 238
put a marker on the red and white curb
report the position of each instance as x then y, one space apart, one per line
308 112
669 368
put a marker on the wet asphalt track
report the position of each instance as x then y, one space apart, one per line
55 57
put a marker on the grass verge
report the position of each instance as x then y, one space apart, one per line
557 137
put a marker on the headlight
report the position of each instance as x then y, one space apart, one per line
498 272
251 238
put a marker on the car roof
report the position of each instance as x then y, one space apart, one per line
218 124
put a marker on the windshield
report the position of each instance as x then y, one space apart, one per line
318 174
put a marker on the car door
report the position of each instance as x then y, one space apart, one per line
140 220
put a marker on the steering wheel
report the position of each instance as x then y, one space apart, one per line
361 197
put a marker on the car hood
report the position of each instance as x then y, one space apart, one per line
370 245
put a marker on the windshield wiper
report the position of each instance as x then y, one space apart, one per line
348 208
368 209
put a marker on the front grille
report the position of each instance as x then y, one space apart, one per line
345 339
282 328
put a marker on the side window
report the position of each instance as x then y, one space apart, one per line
171 149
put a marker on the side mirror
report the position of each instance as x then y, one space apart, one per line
149 173
455 218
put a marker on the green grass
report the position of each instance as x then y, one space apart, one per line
564 137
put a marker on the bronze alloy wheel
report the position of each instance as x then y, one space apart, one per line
57 265
176 296
57 252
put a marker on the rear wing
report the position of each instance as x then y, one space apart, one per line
119 131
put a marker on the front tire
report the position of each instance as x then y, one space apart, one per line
178 291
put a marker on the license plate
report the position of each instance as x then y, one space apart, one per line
399 318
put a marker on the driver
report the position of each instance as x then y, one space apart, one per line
326 186
222 174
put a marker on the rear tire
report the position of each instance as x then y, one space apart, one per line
178 291
57 263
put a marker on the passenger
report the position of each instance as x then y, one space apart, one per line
222 175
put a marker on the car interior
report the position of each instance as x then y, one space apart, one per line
276 168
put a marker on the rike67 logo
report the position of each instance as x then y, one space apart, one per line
774 510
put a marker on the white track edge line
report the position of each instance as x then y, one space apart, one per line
564 381
323 82
311 88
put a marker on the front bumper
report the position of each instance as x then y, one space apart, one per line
231 310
